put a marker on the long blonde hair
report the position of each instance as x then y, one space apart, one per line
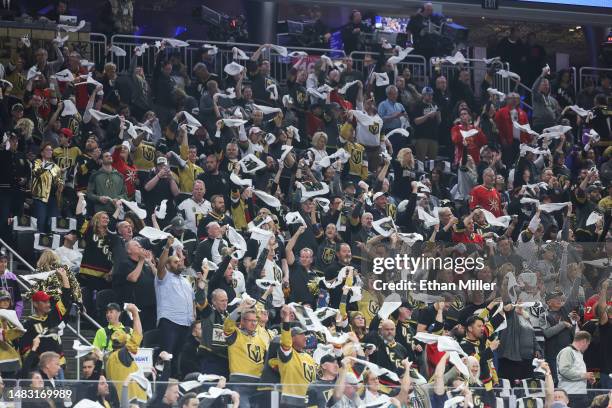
406 158
95 223
47 261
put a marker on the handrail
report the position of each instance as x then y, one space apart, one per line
592 69
27 287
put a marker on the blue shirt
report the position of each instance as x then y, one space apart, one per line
174 299
388 108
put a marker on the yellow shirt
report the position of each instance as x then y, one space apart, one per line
117 372
246 353
144 156
297 370
357 163
189 174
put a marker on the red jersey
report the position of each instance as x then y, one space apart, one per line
128 172
468 238
474 143
486 198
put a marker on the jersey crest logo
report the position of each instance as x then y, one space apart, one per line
255 353
308 372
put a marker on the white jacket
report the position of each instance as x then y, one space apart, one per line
570 369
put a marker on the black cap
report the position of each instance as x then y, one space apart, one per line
328 358
113 306
552 295
348 184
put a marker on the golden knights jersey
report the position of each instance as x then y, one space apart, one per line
73 122
369 135
144 156
357 163
297 370
66 158
368 306
246 353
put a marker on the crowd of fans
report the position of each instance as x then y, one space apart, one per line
232 221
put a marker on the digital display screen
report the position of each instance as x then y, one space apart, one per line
587 3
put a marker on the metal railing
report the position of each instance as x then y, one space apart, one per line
77 331
592 73
69 392
417 64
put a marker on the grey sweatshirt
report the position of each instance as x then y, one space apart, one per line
545 107
518 341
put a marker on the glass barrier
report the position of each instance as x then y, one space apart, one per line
218 392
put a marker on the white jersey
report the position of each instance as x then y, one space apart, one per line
194 212
369 136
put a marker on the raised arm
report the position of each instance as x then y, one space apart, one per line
163 259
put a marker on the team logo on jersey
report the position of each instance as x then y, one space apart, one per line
309 372
356 156
374 128
458 303
373 307
148 154
391 210
328 255
255 353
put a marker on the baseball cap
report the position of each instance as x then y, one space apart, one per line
162 160
17 106
255 129
348 184
113 306
328 358
351 378
552 295
378 194
178 222
427 90
4 295
297 330
67 132
40 296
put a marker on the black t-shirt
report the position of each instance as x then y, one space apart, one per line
320 393
160 192
141 292
429 128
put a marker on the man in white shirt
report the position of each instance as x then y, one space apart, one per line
572 372
195 207
367 133
70 257
175 303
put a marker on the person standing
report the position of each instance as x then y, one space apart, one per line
102 341
133 279
9 284
47 186
105 186
486 195
175 303
545 107
509 136
297 368
572 371
427 119
246 350
352 33
605 329
160 186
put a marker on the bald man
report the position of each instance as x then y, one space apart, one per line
133 281
389 353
